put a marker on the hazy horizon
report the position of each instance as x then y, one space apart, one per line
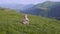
25 1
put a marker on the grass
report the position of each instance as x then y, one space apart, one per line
10 23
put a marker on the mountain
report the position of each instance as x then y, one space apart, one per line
12 6
11 23
45 9
55 11
27 7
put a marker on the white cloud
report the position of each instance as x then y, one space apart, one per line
23 1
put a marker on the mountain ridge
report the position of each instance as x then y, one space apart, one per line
43 9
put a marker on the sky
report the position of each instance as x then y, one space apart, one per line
24 1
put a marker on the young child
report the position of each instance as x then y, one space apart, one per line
26 20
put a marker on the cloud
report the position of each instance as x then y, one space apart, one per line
23 1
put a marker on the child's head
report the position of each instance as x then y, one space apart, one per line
25 15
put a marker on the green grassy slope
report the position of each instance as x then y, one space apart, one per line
10 23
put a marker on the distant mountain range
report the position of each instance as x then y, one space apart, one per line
12 6
27 7
16 6
46 9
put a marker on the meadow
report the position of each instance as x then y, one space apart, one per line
11 23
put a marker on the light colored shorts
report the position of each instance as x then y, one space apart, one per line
26 22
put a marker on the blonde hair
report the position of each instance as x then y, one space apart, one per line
25 16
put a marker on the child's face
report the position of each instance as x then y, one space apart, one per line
25 15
